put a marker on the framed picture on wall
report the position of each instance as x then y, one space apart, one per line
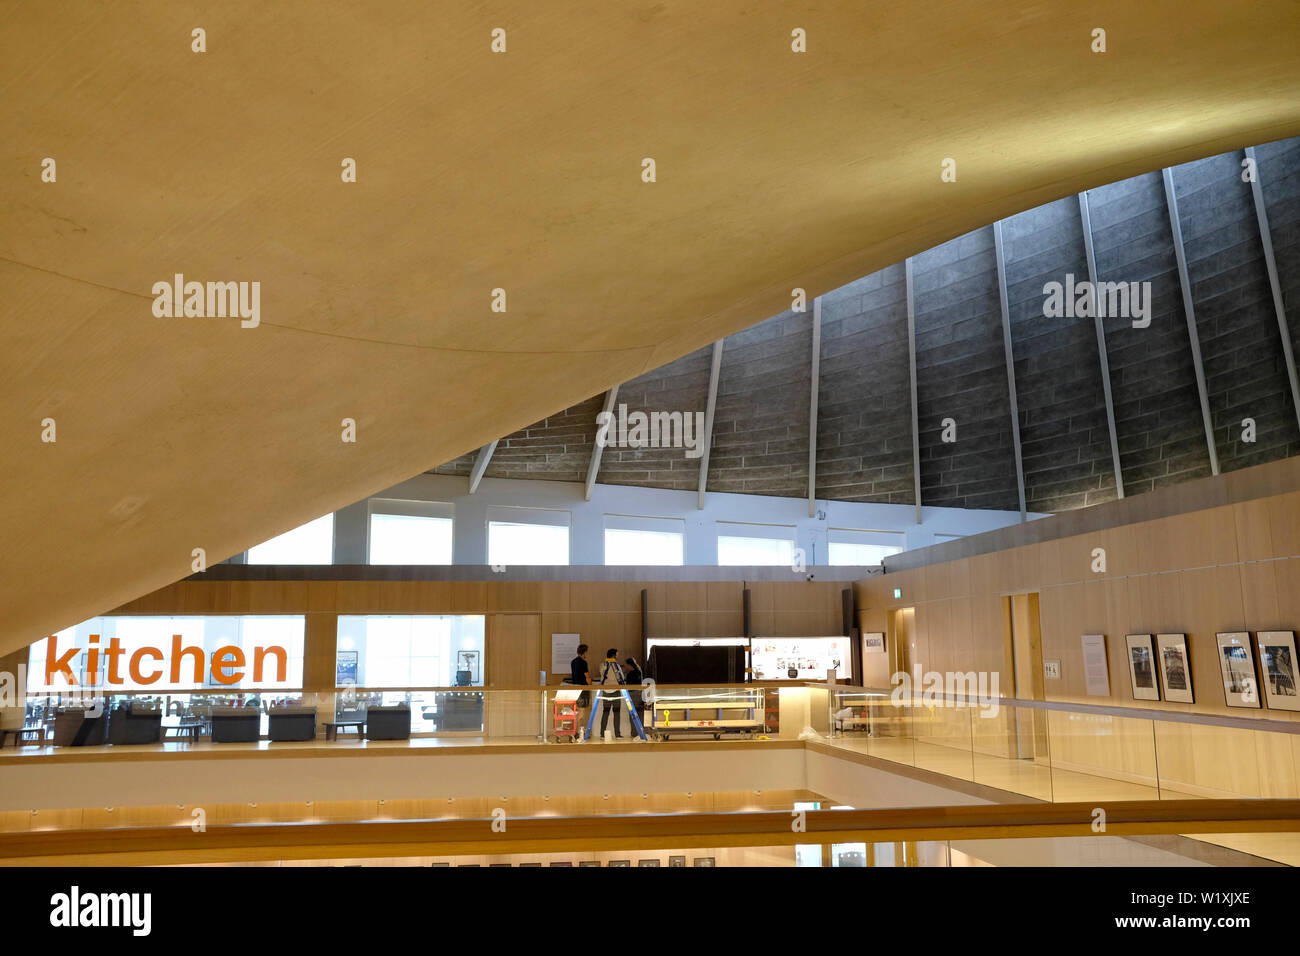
873 642
345 669
1277 664
1142 666
1237 665
1175 667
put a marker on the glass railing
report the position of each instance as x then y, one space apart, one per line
1065 752
458 714
1061 752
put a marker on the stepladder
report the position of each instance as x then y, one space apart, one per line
626 699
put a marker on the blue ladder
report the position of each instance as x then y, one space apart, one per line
636 720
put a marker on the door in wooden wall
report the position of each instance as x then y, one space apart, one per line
1026 643
901 642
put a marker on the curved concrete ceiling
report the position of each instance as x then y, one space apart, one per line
479 171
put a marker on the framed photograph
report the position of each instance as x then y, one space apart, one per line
1142 666
589 863
704 861
647 862
1277 664
873 643
561 863
619 863
1175 667
1237 665
677 861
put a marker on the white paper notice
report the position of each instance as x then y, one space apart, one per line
1096 673
564 648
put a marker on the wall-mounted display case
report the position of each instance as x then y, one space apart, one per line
800 658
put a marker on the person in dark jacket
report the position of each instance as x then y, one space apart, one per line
580 674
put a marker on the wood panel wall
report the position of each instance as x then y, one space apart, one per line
1229 568
347 811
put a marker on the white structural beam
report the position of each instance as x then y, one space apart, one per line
598 448
708 418
1265 237
812 406
1175 224
1010 361
911 364
1085 214
480 465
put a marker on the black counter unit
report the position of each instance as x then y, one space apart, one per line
236 725
388 723
135 723
291 723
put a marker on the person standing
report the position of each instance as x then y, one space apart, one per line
611 676
580 674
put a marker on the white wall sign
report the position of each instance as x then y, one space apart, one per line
1052 670
1096 672
564 648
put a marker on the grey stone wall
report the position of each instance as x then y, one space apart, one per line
1240 344
558 447
761 423
680 386
864 403
961 374
1153 384
1279 170
1064 437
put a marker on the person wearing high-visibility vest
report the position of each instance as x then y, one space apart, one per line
611 676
